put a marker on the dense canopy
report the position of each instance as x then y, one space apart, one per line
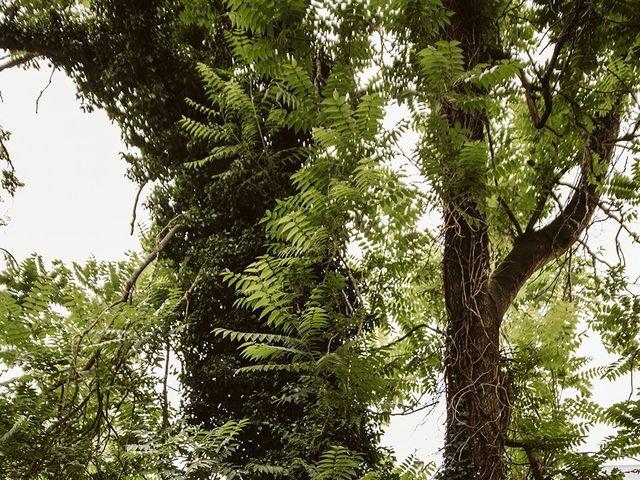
360 208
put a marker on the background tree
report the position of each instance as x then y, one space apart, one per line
137 61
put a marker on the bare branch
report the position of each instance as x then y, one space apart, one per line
537 212
510 215
610 214
546 193
501 201
135 207
594 255
46 87
146 262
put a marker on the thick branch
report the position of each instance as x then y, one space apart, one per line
529 449
538 120
535 248
14 62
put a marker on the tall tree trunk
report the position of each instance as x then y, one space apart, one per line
476 413
478 405
476 410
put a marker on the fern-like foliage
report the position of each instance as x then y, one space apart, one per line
324 308
79 388
337 463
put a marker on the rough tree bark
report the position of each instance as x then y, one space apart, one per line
475 405
476 299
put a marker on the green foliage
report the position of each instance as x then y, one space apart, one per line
442 65
84 393
413 469
337 463
615 318
314 301
552 383
304 288
81 368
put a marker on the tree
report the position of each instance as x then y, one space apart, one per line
497 152
519 109
137 61
468 83
261 115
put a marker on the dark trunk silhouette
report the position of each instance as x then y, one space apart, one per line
477 298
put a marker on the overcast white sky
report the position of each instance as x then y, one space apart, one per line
77 203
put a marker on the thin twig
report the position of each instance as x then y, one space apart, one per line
135 207
409 333
165 392
53 70
7 157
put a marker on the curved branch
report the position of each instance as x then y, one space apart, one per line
128 287
8 254
135 207
535 248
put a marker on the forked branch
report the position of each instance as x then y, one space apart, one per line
544 87
535 248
